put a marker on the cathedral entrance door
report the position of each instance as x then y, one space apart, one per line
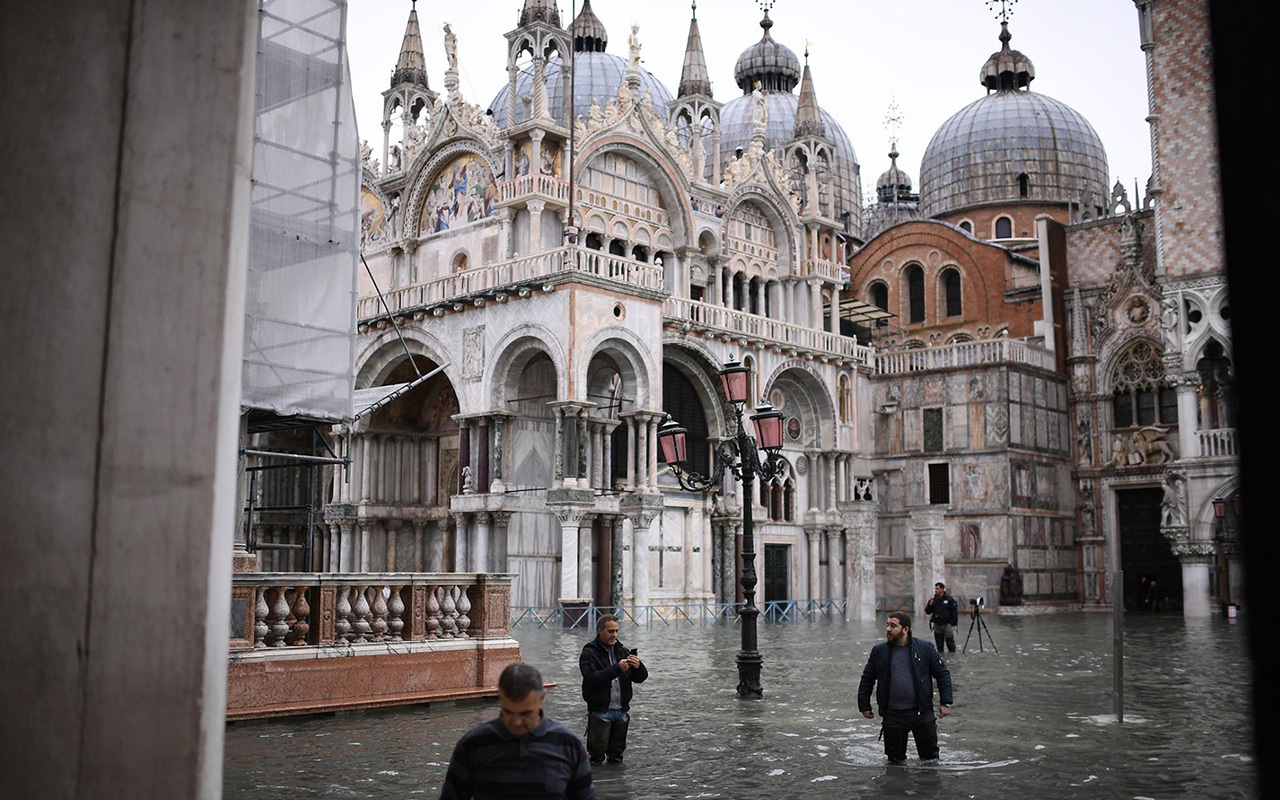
777 564
1144 553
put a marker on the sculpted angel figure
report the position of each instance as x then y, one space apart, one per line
451 47
633 41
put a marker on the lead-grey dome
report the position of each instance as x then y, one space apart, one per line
598 77
779 131
774 65
979 156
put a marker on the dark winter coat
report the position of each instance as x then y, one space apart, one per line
598 674
928 667
943 610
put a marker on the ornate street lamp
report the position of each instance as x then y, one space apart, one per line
738 453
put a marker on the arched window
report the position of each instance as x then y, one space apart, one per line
915 293
1004 228
754 388
594 241
966 226
951 288
843 390
1138 397
880 299
1024 185
461 261
681 401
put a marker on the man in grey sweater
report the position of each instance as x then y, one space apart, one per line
902 670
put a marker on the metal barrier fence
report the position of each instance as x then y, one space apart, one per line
679 614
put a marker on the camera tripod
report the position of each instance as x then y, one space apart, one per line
976 619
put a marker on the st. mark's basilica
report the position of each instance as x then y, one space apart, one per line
1009 375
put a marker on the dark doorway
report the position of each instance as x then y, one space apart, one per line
1145 555
777 565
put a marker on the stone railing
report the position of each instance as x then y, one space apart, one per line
1218 443
718 319
287 609
545 185
964 354
821 268
568 259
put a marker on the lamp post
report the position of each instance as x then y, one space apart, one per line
737 454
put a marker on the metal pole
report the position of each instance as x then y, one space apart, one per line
1117 642
749 659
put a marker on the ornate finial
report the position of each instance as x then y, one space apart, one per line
695 9
806 52
1006 9
892 119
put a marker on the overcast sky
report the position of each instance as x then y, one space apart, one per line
925 54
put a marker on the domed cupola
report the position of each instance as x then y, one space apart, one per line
589 35
774 65
1013 146
893 184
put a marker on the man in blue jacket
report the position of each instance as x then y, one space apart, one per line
608 670
902 669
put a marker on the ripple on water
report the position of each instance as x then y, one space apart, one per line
691 737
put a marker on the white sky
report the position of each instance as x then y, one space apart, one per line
924 53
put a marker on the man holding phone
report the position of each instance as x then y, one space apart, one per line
608 670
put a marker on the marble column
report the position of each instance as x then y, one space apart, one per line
815 299
498 555
717 561
642 452
1197 559
729 563
464 452
435 545
643 531
480 550
557 479
366 542
627 553
415 470
611 533
419 546
630 422
651 450
461 543
391 526
835 571
569 555
582 444
692 559
346 546
431 455
813 534
499 452
835 310
1188 411
926 528
860 555
364 443
482 455
535 225
586 549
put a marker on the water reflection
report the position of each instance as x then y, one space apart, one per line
1036 716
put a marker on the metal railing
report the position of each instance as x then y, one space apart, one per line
567 259
716 318
678 614
964 354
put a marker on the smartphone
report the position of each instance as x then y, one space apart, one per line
635 651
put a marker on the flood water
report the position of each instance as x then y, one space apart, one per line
1034 720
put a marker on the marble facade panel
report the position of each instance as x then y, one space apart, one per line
977 425
912 432
932 391
997 424
957 432
1015 424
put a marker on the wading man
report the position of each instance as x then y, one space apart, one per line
608 670
944 616
902 671
522 753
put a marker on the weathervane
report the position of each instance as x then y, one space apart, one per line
892 119
1006 8
766 5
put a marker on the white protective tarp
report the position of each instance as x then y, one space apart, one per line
299 349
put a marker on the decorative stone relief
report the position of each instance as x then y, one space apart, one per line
970 540
1173 501
1084 440
473 353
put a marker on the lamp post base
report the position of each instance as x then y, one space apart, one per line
749 663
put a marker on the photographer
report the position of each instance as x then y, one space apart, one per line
944 615
608 670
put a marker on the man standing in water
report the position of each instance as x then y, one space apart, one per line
522 753
608 670
902 670
944 615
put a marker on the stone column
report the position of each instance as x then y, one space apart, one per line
643 530
366 542
627 554
609 428
569 520
926 527
431 448
396 493
435 545
346 546
860 555
630 422
586 549
498 556
835 310
535 152
462 543
498 459
415 470
504 232
715 156
557 480
482 455
535 225
582 442
391 526
813 533
692 558
642 452
717 288
651 451
835 573
1197 559
815 303
1188 414
364 443
729 562
480 551
419 549
829 466
464 451
611 560
717 561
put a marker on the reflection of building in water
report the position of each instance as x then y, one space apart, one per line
989 372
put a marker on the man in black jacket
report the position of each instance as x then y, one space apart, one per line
608 670
902 670
944 616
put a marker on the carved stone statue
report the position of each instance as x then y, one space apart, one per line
451 47
1088 524
1011 586
760 111
1084 442
633 42
366 152
468 482
1119 451
1173 503
1151 447
1169 317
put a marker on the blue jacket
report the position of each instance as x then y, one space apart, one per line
928 666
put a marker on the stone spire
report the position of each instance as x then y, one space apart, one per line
1007 69
412 66
540 10
808 117
694 78
588 32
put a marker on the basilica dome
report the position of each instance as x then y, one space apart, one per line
1014 145
598 76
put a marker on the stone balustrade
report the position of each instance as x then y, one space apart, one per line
1218 443
303 643
548 186
821 268
964 354
720 320
543 266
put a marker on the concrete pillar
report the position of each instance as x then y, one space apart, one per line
815 563
926 529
